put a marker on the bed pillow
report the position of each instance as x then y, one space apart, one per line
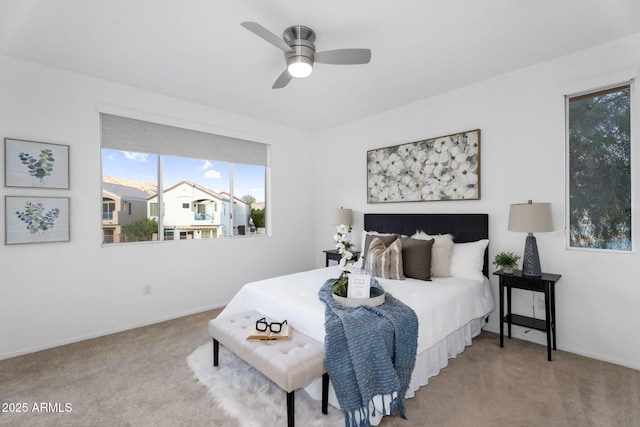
383 261
440 253
416 258
367 238
467 259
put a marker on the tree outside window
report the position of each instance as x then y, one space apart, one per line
599 134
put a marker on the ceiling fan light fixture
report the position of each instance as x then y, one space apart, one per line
300 66
297 44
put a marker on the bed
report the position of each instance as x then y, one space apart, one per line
451 310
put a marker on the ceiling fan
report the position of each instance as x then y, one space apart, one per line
300 52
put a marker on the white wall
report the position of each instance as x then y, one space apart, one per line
521 117
56 293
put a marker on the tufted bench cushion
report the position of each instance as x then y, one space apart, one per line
290 363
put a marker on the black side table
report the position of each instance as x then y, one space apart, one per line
545 284
332 254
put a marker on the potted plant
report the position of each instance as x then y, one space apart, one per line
507 261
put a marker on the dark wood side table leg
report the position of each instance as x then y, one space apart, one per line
501 311
509 310
553 314
547 312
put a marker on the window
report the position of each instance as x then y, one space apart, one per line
179 184
108 206
599 170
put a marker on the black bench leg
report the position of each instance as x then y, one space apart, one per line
325 392
291 408
216 351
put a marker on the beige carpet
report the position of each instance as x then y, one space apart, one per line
141 378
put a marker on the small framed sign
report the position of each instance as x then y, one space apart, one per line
359 286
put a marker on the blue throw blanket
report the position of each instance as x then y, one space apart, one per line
369 351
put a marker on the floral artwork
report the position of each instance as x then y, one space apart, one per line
443 168
36 164
36 219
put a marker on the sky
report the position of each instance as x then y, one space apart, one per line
248 179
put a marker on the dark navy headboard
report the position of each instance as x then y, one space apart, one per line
463 227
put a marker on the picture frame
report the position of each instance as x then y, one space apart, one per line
442 168
35 164
36 219
359 286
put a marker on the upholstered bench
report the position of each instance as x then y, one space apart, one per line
290 363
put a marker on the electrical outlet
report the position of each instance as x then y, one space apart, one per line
146 290
541 302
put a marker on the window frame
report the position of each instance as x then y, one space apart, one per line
237 149
594 87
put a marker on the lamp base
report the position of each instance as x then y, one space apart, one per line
531 259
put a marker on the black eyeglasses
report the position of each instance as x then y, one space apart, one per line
262 325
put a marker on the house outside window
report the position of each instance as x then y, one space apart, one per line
182 187
599 169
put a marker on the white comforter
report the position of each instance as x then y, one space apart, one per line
443 305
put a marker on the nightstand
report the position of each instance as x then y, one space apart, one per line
332 254
545 284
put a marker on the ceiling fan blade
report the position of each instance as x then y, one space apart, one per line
344 56
283 80
267 35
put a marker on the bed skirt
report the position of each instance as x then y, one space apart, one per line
428 364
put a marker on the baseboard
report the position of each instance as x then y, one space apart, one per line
108 332
539 337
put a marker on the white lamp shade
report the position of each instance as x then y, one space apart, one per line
530 217
343 216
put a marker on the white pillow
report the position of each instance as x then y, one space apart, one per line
440 252
467 259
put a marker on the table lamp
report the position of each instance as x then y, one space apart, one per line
530 218
343 216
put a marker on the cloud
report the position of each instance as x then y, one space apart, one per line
136 157
205 165
212 174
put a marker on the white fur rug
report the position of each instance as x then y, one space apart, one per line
250 397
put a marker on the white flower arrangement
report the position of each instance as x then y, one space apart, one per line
343 245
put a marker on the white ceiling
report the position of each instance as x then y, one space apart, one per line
197 50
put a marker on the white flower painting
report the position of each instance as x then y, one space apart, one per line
443 168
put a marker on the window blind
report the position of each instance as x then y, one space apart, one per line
123 133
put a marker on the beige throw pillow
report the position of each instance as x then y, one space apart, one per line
387 239
385 262
440 253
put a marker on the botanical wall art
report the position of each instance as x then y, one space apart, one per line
36 164
36 219
443 168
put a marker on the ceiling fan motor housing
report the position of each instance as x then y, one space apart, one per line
300 39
